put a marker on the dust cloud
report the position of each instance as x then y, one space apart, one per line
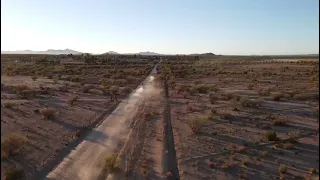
114 131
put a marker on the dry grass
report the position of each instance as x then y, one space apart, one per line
48 113
312 170
14 173
112 163
283 168
241 149
270 135
246 102
12 144
72 100
197 123
280 122
9 105
277 96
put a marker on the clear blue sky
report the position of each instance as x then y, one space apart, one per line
164 26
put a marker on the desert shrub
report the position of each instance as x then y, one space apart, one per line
25 93
213 98
264 153
96 91
250 86
114 89
86 88
214 89
181 88
306 96
278 145
283 168
72 100
75 79
270 135
225 115
9 105
34 78
241 149
228 96
14 173
197 123
63 88
48 112
112 162
203 89
20 88
246 102
264 92
277 96
49 76
106 82
244 163
312 170
12 144
126 90
280 122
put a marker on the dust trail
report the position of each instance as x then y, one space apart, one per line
86 161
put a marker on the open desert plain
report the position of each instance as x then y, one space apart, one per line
86 117
245 117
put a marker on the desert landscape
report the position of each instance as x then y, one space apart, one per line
245 117
188 117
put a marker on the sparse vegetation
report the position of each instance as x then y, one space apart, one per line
312 170
197 123
14 173
48 113
283 169
270 135
73 100
12 144
111 163
213 90
9 105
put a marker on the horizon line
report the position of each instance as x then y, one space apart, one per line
128 53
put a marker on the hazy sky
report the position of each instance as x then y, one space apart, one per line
164 26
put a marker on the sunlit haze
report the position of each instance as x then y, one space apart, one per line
242 27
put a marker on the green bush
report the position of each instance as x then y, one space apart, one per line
270 135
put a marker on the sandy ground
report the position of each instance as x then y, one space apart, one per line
47 140
234 103
231 142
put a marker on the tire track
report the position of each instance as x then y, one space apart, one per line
172 166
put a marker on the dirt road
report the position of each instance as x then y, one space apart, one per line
85 161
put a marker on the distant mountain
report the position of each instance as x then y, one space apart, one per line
148 53
110 52
49 51
203 54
